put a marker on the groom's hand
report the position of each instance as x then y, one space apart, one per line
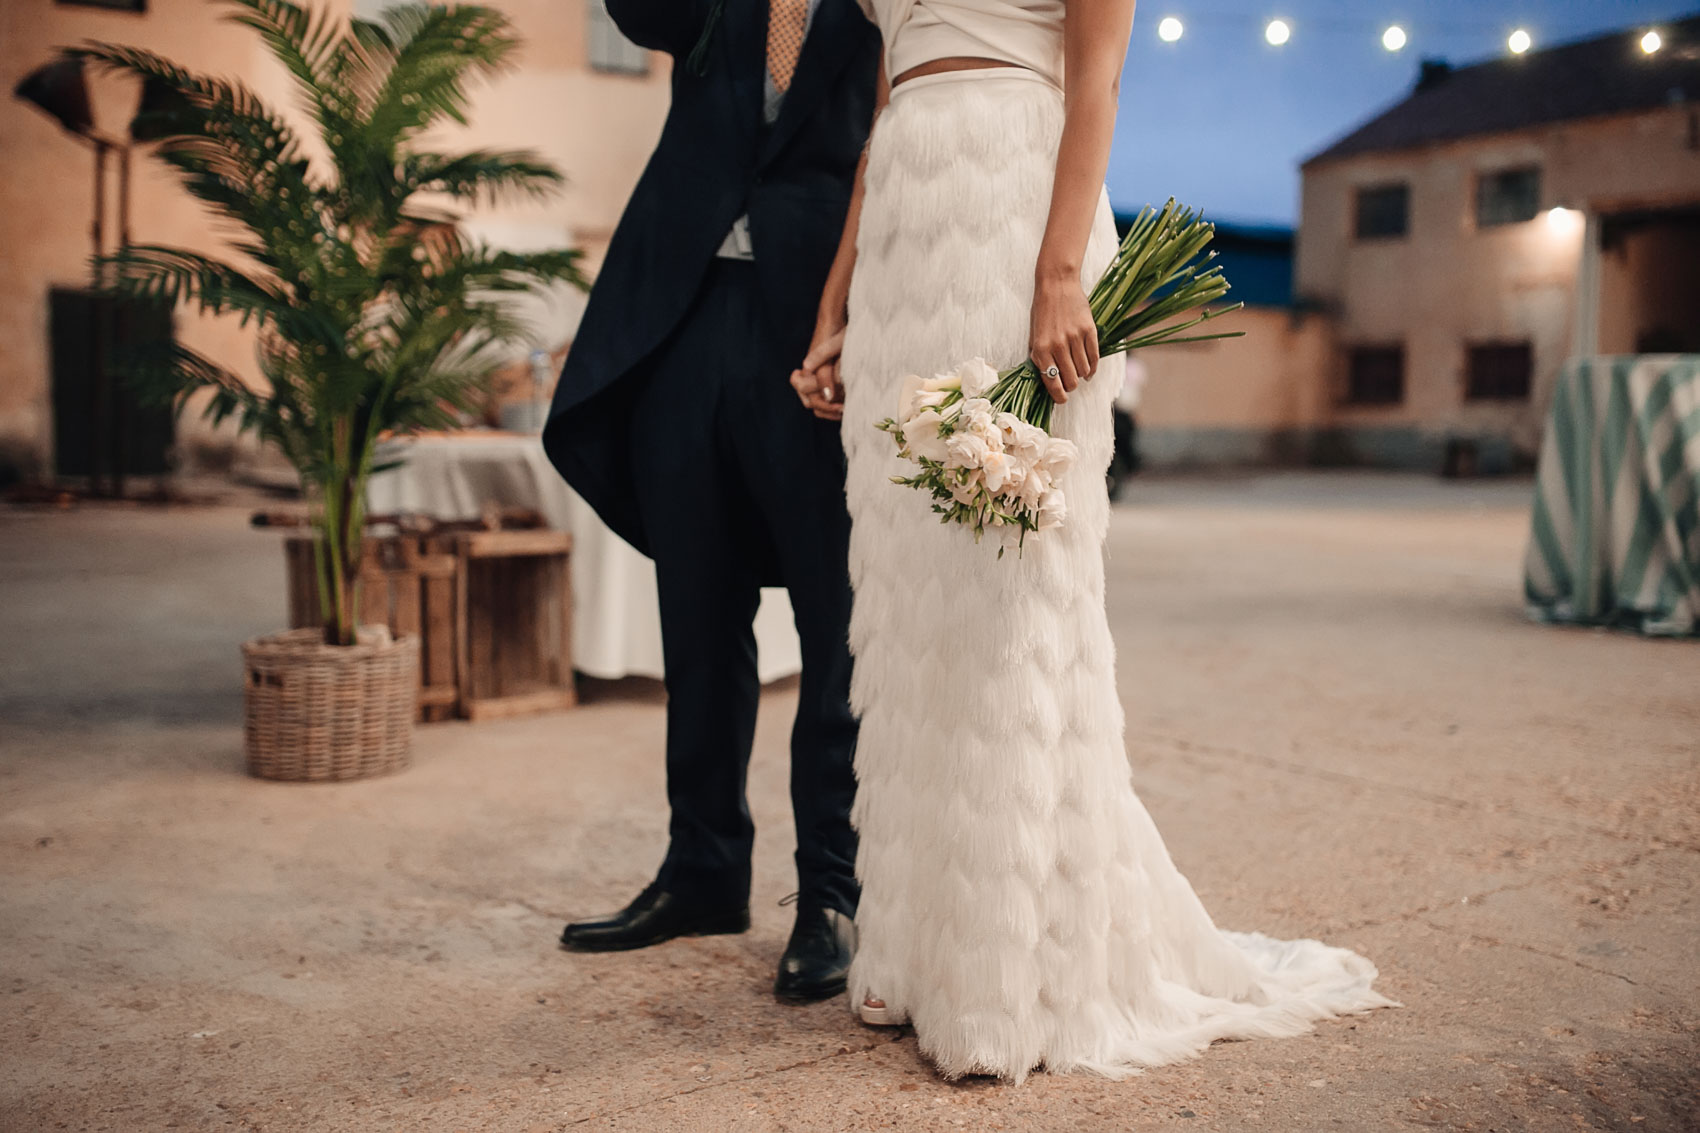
816 381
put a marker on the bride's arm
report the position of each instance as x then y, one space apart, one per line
1095 37
816 382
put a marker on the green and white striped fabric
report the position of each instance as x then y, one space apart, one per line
1615 538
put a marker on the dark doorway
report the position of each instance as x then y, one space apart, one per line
1650 282
100 429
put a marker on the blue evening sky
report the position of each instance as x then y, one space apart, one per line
1221 120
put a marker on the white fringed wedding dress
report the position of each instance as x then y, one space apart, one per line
1018 906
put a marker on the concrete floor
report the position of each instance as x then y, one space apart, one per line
1337 714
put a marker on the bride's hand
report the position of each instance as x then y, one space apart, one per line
1063 333
817 380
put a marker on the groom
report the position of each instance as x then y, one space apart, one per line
674 418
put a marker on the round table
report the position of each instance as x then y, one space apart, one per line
616 617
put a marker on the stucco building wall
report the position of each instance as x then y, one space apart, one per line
1256 399
598 127
1448 284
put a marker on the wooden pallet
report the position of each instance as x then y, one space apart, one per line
516 610
493 611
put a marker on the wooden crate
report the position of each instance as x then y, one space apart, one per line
515 614
407 582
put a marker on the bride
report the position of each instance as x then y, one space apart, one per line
1018 905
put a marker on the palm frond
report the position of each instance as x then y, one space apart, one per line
431 53
372 312
306 43
480 174
176 275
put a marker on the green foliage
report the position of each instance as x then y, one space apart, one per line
373 315
1157 276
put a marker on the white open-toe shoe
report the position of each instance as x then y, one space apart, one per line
881 1016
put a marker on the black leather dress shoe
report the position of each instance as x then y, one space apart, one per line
656 915
817 960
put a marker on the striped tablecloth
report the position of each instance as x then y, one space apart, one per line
1615 537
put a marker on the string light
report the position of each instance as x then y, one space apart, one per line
1394 37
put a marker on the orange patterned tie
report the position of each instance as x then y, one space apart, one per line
785 21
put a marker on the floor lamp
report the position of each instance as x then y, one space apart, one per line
60 90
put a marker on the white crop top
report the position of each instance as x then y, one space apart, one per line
1027 33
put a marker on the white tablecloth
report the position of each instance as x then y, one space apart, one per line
616 621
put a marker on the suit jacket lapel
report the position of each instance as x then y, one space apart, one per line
830 44
744 61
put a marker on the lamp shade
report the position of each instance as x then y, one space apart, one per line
161 113
58 89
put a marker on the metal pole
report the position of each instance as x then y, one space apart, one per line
123 196
102 409
121 313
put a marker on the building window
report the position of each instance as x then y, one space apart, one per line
1500 371
1375 375
1384 211
1510 196
609 49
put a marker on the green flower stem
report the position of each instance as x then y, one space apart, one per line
1162 249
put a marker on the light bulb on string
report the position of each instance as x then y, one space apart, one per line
1394 38
1278 32
1170 29
1651 42
1520 41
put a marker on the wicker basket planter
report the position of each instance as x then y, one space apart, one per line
321 712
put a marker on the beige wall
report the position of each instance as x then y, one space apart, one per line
1448 284
597 127
1236 400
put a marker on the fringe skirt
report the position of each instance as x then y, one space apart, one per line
1018 903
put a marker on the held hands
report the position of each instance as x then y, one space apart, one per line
1063 334
817 380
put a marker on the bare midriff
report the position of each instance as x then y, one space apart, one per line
949 63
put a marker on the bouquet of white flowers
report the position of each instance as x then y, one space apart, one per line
982 438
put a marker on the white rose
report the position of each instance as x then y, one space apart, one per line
1026 441
1035 482
1059 455
1003 475
921 436
967 450
976 416
976 377
978 410
1053 509
966 489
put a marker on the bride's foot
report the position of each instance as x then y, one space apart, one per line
875 1013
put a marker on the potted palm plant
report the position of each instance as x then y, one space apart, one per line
373 315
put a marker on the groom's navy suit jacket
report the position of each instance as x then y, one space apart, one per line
716 160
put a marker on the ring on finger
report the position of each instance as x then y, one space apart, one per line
1053 373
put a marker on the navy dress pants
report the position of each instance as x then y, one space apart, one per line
735 478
